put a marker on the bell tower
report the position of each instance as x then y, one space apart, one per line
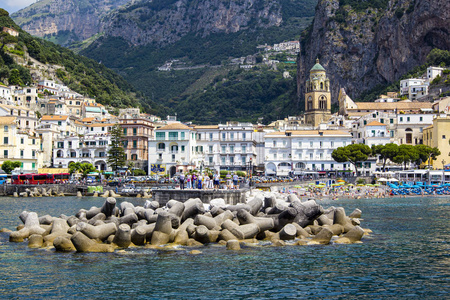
317 96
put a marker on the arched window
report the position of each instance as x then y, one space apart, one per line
161 146
408 132
310 103
323 102
321 85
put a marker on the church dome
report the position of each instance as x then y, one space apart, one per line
317 66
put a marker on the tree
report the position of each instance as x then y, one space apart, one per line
116 153
354 154
8 166
388 151
426 153
6 38
83 168
406 154
14 78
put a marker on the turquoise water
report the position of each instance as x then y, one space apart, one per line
407 256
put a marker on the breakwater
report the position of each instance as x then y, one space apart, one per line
279 219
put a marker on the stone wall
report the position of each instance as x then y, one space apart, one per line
8 190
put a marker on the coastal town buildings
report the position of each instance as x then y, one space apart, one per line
317 96
438 135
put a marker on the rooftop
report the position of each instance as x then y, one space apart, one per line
54 118
175 126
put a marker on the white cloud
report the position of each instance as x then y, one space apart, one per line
14 5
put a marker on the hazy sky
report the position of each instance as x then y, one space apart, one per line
14 5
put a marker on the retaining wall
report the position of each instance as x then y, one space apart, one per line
232 197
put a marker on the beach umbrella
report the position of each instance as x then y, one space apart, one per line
340 180
298 187
382 179
376 184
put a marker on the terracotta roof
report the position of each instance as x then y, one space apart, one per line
7 120
100 125
375 123
206 126
93 104
14 107
87 119
391 105
175 126
54 118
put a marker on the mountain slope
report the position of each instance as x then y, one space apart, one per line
65 21
363 44
81 74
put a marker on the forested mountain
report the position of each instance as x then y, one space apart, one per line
79 73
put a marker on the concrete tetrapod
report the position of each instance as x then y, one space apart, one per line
108 206
122 238
35 241
233 245
84 244
247 231
63 244
100 232
163 229
59 228
323 237
245 217
352 236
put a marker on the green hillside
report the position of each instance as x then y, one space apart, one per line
81 74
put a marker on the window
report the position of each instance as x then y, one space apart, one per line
33 141
21 141
274 156
59 123
274 143
321 155
243 136
125 132
421 119
320 144
160 135
244 148
161 146
182 148
401 119
231 160
103 128
391 121
332 144
223 136
182 135
344 143
243 160
21 153
210 149
6 128
231 136
210 160
231 149
173 136
224 149
408 119
365 122
223 160
310 144
134 144
5 153
299 144
5 140
310 156
134 131
382 121
160 156
443 137
173 157
33 166
33 153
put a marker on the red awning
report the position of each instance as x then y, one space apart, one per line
322 172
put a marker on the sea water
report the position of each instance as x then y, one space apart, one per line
407 256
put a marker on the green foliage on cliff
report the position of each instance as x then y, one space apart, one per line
243 95
81 74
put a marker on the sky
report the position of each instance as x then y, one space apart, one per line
14 5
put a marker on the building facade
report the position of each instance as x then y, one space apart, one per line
317 96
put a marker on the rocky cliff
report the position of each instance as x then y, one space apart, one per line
65 21
364 44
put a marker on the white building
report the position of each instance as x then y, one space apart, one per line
298 151
373 133
5 93
173 148
433 72
414 88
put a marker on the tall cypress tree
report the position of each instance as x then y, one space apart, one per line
116 153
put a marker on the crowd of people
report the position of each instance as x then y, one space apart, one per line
205 181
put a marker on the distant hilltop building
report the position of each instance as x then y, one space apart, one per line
10 31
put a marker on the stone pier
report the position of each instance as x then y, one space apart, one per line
231 197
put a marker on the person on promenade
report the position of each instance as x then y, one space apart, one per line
182 177
228 177
194 181
200 180
217 180
235 181
206 181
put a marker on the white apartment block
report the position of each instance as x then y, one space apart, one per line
414 88
173 147
91 147
296 152
5 93
433 72
373 133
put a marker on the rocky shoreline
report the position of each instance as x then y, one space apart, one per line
266 218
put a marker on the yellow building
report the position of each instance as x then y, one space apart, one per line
317 97
438 135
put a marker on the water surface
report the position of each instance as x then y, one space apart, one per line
407 256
